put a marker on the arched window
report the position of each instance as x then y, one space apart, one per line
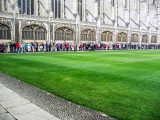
107 36
33 32
79 9
122 37
5 32
134 38
27 33
154 39
88 35
26 7
64 34
56 8
144 39
40 33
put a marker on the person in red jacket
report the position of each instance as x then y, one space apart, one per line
17 46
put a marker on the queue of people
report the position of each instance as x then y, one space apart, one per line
48 47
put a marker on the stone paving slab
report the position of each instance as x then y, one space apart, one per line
14 106
8 96
24 109
6 116
54 105
37 115
14 102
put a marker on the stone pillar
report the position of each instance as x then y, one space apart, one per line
158 21
20 31
128 34
13 26
149 41
84 10
158 37
128 21
62 9
140 36
98 23
53 33
48 32
116 22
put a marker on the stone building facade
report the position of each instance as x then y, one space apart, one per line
80 21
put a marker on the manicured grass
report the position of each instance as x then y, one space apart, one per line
122 84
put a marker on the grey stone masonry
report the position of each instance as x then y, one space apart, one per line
14 107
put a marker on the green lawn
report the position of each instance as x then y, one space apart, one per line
122 84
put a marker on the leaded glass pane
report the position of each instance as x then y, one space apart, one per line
59 9
24 6
35 35
31 35
8 34
19 6
28 7
56 8
32 7
1 34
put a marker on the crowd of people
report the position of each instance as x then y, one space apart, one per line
17 47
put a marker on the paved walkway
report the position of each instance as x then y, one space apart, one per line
14 107
56 106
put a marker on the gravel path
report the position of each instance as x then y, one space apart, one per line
56 106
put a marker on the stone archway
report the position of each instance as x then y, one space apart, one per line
122 37
34 32
154 39
64 34
88 35
107 36
5 32
144 39
134 38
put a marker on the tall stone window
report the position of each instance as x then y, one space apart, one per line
3 5
56 8
0 5
26 7
154 39
38 8
144 39
5 32
64 34
134 38
79 9
112 3
33 32
122 37
107 36
40 33
125 3
99 9
88 35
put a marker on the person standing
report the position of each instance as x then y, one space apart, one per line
67 46
50 47
36 46
24 47
41 47
33 47
11 47
17 46
6 47
14 47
